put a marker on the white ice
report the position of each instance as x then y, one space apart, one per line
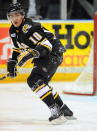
22 110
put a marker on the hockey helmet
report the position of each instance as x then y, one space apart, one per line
15 8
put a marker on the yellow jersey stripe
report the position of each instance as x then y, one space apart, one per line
17 50
44 96
41 41
46 46
39 87
56 96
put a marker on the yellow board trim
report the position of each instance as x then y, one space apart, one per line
57 77
2 25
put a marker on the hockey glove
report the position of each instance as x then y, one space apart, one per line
11 68
32 54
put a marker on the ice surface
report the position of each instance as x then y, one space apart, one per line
21 110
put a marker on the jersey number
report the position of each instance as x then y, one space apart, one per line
35 38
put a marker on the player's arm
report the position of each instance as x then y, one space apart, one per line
43 49
12 62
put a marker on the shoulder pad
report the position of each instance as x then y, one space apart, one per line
36 25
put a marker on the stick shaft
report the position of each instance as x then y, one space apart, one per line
4 77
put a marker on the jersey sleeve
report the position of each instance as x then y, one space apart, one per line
44 48
15 55
12 34
15 51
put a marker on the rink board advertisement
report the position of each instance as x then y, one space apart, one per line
76 36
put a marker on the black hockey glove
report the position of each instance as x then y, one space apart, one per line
11 68
32 54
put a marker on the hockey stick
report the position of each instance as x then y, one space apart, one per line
4 77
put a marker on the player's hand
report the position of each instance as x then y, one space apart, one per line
11 68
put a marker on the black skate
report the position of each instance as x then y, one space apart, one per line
66 111
68 114
55 112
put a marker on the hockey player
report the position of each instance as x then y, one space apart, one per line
47 54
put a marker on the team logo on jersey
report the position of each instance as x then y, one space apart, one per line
25 28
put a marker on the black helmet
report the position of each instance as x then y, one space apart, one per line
17 7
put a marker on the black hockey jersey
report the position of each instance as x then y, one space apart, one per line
32 35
